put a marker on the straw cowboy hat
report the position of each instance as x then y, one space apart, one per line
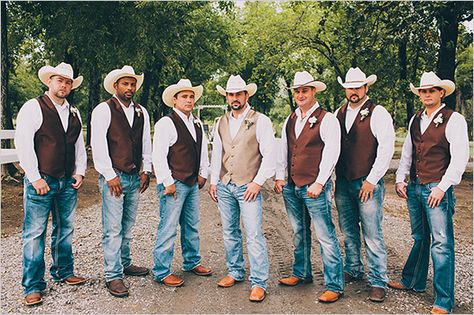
236 84
63 69
182 85
355 78
304 78
115 75
429 80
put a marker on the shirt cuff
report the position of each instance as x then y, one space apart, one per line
203 173
400 178
443 186
81 171
214 180
280 175
33 176
110 174
168 181
372 179
147 167
259 180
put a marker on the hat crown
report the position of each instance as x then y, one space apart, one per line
302 77
64 70
184 83
235 82
429 78
128 69
355 75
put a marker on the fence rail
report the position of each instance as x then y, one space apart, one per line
7 155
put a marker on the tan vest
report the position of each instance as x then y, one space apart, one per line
241 157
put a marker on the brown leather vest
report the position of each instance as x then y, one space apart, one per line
55 148
430 150
184 157
358 146
304 153
125 142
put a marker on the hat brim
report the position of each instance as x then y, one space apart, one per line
447 85
318 85
353 85
171 91
116 75
46 72
251 88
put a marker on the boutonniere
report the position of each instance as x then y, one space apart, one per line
138 110
197 122
248 123
74 111
438 120
312 120
364 113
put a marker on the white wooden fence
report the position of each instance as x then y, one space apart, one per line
7 155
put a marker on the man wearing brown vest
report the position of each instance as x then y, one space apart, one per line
367 144
309 148
434 155
241 163
180 160
121 149
51 151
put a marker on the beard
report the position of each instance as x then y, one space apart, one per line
237 105
354 98
61 94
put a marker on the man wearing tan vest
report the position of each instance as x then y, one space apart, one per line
241 163
309 148
180 160
367 144
51 151
121 149
434 155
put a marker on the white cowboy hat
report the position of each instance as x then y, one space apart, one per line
182 85
304 78
116 74
355 78
236 84
63 69
430 80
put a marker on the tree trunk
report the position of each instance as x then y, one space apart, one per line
290 95
146 89
93 100
68 58
448 26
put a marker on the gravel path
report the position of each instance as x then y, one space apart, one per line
200 294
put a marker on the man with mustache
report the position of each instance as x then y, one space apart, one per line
434 155
308 151
121 149
180 160
241 163
51 151
367 145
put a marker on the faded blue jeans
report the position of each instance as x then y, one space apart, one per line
61 201
436 225
303 209
355 215
118 218
185 212
232 207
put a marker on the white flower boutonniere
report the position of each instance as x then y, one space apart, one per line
438 120
248 123
197 122
364 113
74 111
138 110
312 120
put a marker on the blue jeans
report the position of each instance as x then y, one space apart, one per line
301 210
61 201
232 206
354 215
118 218
185 211
436 225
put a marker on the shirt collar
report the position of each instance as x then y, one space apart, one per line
358 107
131 103
62 107
425 116
183 116
243 114
309 112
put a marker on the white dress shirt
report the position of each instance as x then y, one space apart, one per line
28 122
265 138
381 126
165 136
330 133
100 123
456 134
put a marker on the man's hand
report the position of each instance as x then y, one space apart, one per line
78 183
401 190
213 192
115 187
144 182
41 186
366 191
435 197
314 190
170 190
251 192
201 182
278 188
